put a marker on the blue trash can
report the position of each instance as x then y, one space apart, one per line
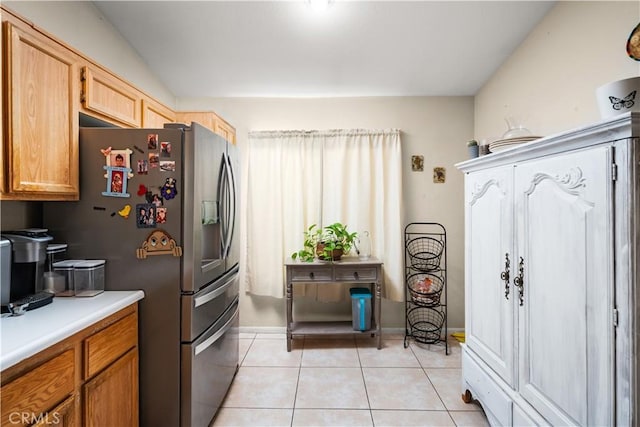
361 308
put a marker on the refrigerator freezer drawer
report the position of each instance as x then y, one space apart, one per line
208 367
201 310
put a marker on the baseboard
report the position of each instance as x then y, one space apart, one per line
283 330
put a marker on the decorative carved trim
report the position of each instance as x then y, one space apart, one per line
571 182
479 190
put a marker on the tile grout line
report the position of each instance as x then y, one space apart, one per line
364 382
295 395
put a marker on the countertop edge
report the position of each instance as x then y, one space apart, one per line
75 325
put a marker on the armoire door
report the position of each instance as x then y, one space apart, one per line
564 236
489 262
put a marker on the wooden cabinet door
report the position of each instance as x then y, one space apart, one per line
210 120
66 414
40 146
29 398
111 397
205 118
155 115
107 97
565 242
225 130
489 313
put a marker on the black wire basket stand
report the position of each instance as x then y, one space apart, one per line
425 261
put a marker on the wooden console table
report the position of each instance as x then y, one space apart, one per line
347 270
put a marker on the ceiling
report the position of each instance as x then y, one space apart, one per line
351 48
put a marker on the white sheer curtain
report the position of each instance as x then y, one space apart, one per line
293 179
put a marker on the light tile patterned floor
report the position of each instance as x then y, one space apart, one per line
346 381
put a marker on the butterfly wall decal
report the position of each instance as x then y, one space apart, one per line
627 102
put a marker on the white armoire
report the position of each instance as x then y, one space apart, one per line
551 278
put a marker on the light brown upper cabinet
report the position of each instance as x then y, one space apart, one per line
45 85
107 97
210 120
155 115
40 131
225 129
205 118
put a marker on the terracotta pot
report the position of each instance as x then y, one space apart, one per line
335 255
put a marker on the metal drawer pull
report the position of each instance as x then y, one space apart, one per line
311 275
505 275
198 301
355 274
215 337
518 281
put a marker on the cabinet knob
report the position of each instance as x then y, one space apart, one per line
311 275
355 274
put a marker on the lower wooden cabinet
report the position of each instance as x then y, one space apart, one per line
66 414
111 398
88 379
28 398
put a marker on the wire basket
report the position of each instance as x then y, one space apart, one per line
426 324
425 253
425 289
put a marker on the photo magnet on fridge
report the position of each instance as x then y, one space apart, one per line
146 215
165 149
152 141
161 215
118 158
117 178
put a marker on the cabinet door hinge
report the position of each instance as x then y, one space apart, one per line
614 171
615 317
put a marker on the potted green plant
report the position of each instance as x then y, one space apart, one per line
327 243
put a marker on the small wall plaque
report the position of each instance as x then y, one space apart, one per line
439 174
417 163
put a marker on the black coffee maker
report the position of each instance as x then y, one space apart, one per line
28 256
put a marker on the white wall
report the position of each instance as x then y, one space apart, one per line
550 80
81 25
436 128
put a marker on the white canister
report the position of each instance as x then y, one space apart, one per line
66 268
619 97
88 277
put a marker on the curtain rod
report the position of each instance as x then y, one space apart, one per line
329 132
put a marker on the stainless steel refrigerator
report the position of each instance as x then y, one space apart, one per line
160 206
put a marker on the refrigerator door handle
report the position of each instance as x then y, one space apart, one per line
220 332
202 299
231 192
222 204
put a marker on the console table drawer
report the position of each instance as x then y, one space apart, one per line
356 274
315 274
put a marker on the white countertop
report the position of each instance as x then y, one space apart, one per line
23 336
